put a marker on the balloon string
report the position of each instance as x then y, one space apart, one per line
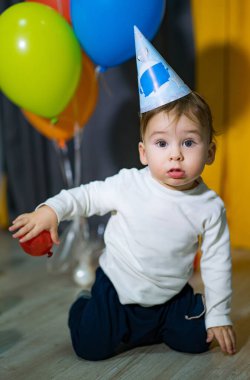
77 151
64 161
103 81
80 224
65 165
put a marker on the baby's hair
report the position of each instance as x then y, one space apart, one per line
192 106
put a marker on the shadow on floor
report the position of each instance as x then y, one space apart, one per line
7 303
8 339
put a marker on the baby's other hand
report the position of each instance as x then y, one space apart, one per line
225 336
31 224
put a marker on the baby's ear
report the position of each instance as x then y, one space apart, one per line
211 153
142 153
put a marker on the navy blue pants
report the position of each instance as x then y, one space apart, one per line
102 327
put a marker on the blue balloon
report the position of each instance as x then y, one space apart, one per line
105 28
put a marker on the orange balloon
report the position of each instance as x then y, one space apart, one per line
78 111
61 6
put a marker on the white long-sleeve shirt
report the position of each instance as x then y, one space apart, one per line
152 237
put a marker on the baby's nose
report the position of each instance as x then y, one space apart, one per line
176 155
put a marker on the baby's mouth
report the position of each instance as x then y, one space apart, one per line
176 173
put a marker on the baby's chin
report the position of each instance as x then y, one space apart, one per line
179 185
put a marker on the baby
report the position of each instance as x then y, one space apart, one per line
159 214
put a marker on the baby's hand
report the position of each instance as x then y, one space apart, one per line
30 225
225 336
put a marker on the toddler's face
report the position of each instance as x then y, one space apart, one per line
176 150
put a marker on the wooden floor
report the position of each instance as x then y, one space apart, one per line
35 342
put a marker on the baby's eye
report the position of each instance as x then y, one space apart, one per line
188 143
161 143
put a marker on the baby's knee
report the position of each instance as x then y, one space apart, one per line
190 348
90 347
89 341
80 326
194 343
84 351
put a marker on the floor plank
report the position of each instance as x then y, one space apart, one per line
35 343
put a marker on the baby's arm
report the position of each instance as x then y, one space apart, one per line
86 200
216 267
31 224
225 336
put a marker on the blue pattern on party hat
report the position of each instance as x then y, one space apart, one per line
158 83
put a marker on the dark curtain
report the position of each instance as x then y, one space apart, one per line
111 136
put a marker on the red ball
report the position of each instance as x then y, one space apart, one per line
39 245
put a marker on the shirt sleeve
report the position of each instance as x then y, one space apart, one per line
216 267
97 197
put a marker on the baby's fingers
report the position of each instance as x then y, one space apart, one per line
14 227
31 234
23 231
20 218
54 236
229 342
210 336
20 221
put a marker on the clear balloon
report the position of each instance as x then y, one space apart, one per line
40 58
78 110
105 29
61 6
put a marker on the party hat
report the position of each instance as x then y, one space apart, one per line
158 83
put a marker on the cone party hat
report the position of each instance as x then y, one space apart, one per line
158 83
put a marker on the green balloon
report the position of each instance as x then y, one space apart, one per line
40 58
